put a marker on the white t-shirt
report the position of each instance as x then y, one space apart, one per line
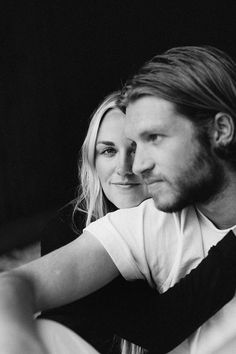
145 243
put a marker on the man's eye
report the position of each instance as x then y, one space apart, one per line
154 137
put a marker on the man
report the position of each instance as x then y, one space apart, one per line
181 117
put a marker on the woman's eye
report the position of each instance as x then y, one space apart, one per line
109 152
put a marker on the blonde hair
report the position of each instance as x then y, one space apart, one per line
90 198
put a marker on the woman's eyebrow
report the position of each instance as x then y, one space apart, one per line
105 142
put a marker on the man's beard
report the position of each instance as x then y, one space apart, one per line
199 183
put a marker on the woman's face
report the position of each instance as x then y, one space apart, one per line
114 159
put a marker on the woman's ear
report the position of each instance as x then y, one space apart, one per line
223 129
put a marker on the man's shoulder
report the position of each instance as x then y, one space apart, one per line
144 217
148 209
127 216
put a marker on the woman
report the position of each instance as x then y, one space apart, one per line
53 280
107 183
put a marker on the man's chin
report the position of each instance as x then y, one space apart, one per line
169 206
162 205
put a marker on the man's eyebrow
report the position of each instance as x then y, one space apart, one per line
146 132
156 128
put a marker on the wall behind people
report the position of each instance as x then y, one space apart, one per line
59 59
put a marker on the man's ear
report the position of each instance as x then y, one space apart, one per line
223 129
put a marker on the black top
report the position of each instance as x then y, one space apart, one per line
132 310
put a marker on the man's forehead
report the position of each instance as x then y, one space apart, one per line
149 102
146 110
128 128
152 114
135 120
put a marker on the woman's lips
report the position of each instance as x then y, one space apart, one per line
126 184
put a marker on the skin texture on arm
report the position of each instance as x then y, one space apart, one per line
16 320
69 273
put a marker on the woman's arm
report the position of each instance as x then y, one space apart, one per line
159 322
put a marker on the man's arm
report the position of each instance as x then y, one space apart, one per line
132 309
60 277
18 332
158 322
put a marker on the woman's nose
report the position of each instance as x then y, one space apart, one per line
124 166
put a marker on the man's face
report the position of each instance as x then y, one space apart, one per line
176 167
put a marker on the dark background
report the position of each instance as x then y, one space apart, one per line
58 60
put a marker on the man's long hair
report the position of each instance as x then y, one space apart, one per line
199 81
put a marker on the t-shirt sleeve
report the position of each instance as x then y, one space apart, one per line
117 248
122 233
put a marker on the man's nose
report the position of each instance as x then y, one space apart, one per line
142 162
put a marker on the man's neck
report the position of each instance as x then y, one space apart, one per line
221 210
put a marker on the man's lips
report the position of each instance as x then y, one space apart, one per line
152 182
153 186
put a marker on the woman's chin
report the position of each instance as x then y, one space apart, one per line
130 203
